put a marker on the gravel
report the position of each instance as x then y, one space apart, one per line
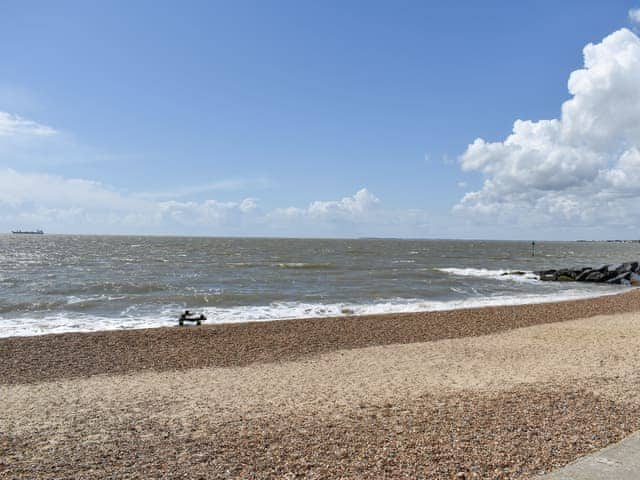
441 395
513 434
49 357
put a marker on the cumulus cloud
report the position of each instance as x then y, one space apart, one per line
634 15
356 207
349 207
68 203
583 167
12 125
60 204
207 213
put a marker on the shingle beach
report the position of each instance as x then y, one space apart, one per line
499 392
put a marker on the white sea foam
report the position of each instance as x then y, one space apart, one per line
511 275
167 316
303 265
75 300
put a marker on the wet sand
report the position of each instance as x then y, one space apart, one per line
505 392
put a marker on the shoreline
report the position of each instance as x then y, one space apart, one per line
506 405
413 306
32 359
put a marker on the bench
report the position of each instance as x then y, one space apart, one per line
187 316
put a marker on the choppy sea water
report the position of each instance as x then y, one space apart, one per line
64 283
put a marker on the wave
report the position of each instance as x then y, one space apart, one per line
512 275
244 264
109 287
304 266
136 318
80 302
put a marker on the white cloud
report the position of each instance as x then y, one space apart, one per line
29 144
582 168
76 204
356 207
634 15
60 204
12 125
207 213
20 190
349 207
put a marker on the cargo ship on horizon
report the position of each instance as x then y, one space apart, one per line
27 232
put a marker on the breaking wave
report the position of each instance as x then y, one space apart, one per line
304 266
136 318
517 276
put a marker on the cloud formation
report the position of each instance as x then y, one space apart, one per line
40 198
60 204
356 207
579 169
634 16
12 126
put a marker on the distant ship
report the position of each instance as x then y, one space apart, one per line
28 232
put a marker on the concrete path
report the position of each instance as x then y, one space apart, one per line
617 462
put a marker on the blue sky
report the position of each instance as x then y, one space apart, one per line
307 118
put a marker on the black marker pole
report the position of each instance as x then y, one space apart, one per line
533 249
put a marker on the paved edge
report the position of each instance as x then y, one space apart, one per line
620 461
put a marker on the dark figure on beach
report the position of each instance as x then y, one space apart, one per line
187 316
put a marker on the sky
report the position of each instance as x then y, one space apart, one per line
416 119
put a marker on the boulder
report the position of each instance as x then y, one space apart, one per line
623 278
627 273
566 274
583 274
629 267
595 276
546 275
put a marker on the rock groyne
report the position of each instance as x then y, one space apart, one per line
621 274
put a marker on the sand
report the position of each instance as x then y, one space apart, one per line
501 401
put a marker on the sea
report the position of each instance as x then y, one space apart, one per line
71 283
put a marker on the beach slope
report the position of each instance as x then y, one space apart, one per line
505 392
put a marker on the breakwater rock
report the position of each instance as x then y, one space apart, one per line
621 274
